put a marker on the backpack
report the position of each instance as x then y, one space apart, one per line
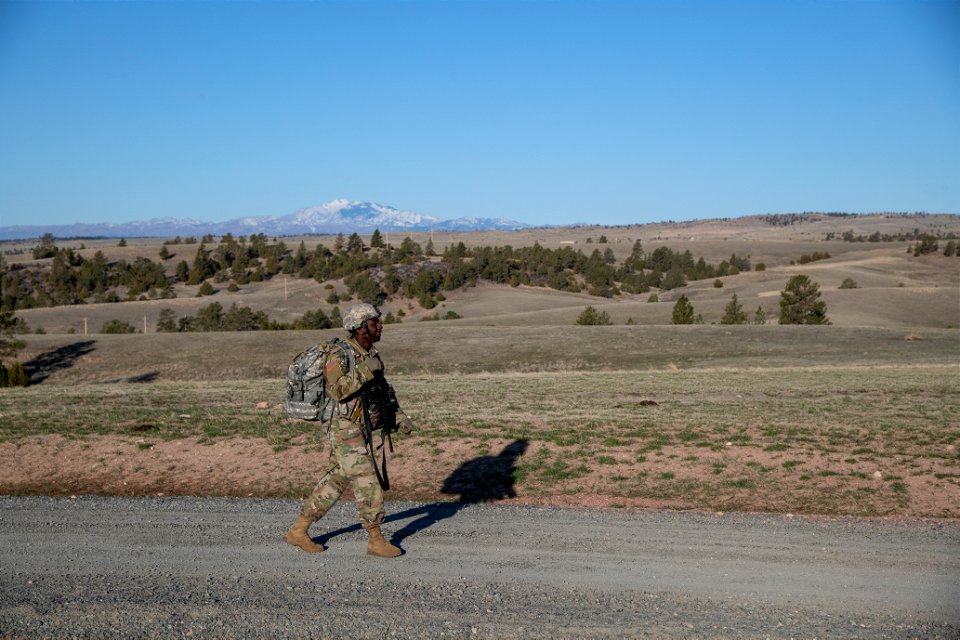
306 396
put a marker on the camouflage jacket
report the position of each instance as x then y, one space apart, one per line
349 387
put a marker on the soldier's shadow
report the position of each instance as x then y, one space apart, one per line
483 479
45 364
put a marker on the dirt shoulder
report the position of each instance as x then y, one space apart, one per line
419 470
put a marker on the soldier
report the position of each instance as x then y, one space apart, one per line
351 463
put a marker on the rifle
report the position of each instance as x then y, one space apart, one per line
381 472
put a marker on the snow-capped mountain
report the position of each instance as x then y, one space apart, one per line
346 215
336 216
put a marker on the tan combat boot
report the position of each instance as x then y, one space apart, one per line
377 545
297 536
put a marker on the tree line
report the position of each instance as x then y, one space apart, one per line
373 273
927 242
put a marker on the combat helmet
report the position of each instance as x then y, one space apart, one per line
356 315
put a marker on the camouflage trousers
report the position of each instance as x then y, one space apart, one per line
350 466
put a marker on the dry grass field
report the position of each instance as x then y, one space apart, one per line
857 418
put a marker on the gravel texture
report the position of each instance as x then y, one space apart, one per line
217 568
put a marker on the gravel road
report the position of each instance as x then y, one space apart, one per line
210 567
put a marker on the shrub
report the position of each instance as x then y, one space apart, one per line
426 300
313 320
591 316
117 326
718 284
849 283
927 244
813 257
761 266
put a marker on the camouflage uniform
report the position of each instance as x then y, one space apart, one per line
350 462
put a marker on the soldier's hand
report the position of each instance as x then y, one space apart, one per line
406 426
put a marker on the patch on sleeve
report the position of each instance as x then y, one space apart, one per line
333 366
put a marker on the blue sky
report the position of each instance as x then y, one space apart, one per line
608 112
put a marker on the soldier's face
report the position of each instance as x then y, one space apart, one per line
374 329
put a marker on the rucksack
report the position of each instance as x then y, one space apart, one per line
306 396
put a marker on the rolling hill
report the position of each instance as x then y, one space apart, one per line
894 288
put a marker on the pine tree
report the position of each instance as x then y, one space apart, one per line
17 376
760 317
167 321
734 313
183 271
354 244
209 318
46 248
8 324
335 318
800 302
376 240
683 311
202 267
673 279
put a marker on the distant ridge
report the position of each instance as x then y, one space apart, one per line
336 216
